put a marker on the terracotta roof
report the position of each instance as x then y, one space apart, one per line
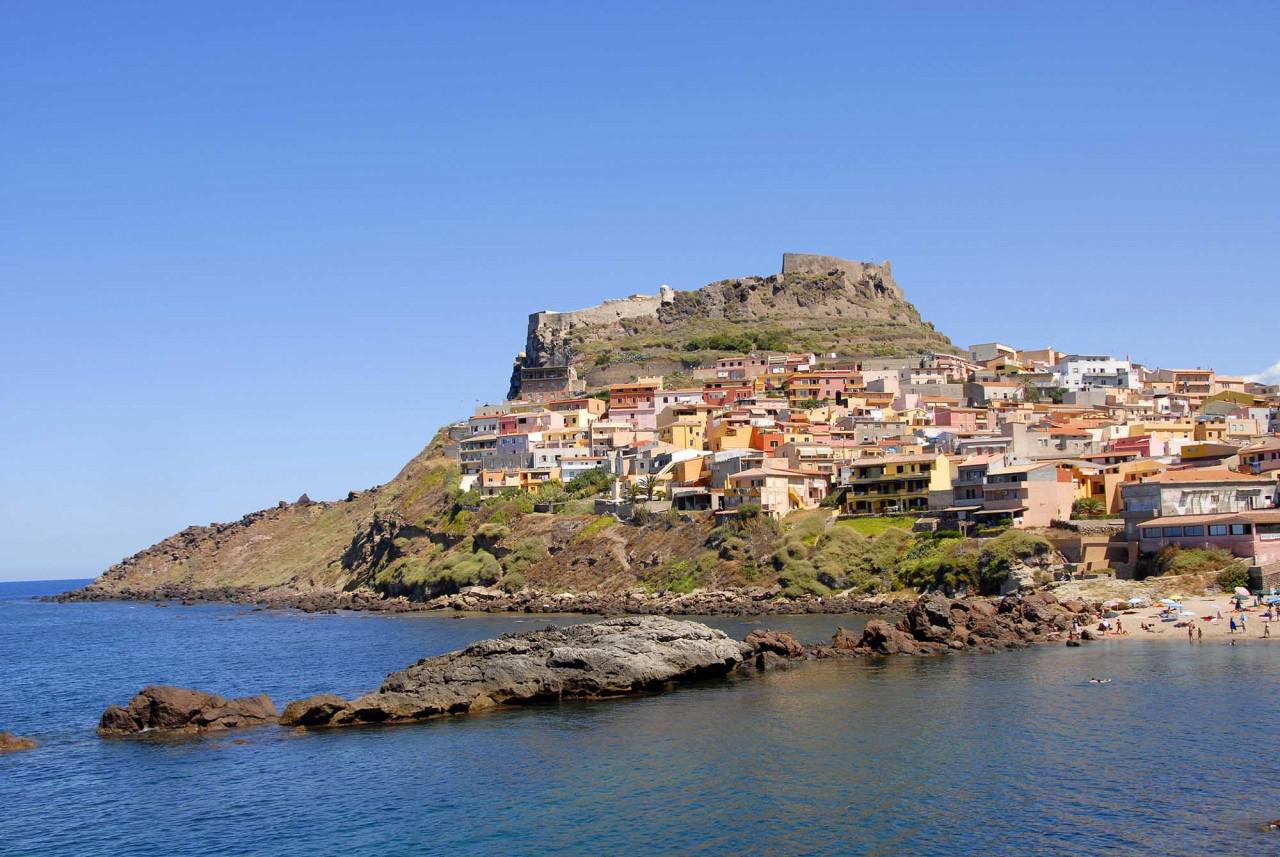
1204 474
1256 516
771 471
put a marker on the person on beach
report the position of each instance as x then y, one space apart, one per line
1242 618
1191 632
1233 624
1199 634
1266 631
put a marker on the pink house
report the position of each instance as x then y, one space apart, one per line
1253 535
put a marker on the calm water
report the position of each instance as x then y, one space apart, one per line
1009 754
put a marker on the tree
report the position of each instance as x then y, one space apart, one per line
1088 507
650 486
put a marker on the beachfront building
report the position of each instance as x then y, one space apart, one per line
1195 491
1027 495
1253 535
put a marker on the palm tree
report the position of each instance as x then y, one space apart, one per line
650 486
1088 507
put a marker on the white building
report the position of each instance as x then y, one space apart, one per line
1085 372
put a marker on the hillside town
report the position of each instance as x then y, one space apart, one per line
1129 458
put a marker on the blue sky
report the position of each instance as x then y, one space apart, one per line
248 252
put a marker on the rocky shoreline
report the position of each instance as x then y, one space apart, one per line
615 657
758 601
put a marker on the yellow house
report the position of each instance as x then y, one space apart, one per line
685 432
724 434
580 418
1164 430
1119 475
796 433
894 484
1211 431
778 491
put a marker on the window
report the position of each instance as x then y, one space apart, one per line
1193 531
1171 531
1241 529
1218 529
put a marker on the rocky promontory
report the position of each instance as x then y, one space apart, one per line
164 709
937 623
596 660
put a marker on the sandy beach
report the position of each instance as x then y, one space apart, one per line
1212 622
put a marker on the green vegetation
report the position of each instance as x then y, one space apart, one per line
1172 559
1236 574
876 526
1088 507
595 527
650 487
806 526
739 343
432 574
589 484
680 576
981 566
516 563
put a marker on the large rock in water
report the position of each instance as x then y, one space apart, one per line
160 708
10 743
589 661
936 623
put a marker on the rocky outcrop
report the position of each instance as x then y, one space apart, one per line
859 302
772 649
754 601
937 623
595 660
10 743
160 708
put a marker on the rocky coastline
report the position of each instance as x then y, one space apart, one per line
757 601
605 659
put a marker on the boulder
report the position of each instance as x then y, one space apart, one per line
160 708
313 710
777 642
879 637
844 641
595 660
10 743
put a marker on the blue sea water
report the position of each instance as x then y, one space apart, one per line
1005 754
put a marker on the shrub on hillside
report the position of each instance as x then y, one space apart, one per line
1236 574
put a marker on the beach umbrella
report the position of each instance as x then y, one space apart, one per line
1241 592
1139 601
1110 614
1274 599
1169 602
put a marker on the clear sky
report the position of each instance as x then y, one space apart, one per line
249 250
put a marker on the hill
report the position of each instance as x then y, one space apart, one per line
421 536
816 304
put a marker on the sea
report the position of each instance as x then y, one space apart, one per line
1013 753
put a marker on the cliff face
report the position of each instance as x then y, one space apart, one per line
817 303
